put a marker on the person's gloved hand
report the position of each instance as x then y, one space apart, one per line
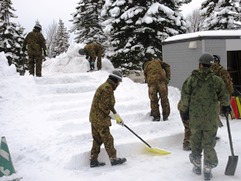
185 115
226 110
119 120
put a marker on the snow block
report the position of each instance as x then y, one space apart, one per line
6 165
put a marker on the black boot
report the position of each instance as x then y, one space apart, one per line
207 173
196 161
96 163
118 161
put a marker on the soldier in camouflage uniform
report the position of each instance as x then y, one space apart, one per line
200 95
187 131
101 112
93 50
220 71
35 44
157 75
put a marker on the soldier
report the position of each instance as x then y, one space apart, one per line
157 75
101 112
35 44
93 50
187 131
220 71
200 95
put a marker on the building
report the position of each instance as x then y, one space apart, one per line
183 51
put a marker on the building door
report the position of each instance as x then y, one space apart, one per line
234 68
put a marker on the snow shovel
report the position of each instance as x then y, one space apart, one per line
149 148
232 160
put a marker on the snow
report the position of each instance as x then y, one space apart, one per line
211 33
45 122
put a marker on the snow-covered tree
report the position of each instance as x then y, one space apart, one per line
11 36
138 28
87 22
220 14
50 35
61 40
194 21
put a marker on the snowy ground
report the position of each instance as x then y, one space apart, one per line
45 122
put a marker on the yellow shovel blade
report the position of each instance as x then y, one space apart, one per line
158 151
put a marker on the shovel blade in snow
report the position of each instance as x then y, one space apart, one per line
158 151
231 166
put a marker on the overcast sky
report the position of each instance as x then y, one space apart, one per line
47 11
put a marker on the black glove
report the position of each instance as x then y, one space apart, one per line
45 54
184 115
226 110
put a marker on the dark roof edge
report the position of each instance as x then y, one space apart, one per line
201 38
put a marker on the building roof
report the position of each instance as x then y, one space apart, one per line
214 34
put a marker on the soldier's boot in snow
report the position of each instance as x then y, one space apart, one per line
207 173
118 161
186 147
196 161
96 163
156 119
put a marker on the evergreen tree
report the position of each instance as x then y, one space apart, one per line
220 14
138 28
87 22
11 37
61 40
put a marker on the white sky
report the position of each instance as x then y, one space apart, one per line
47 11
46 124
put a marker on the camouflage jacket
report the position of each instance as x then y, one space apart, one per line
156 71
35 43
93 50
103 102
223 73
200 94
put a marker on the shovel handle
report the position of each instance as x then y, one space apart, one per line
137 136
229 135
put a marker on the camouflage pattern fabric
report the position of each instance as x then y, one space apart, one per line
35 44
103 102
157 74
224 74
101 135
92 51
187 131
201 93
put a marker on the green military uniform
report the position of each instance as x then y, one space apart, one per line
93 50
35 44
157 75
103 103
199 96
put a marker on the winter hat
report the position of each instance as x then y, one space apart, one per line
38 26
81 51
206 59
116 76
216 58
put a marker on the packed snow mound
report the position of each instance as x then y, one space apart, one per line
72 62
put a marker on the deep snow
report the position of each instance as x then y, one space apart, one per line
45 122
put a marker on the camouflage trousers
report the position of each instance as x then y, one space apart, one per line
160 89
101 135
204 140
35 61
187 133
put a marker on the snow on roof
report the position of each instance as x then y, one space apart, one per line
202 34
